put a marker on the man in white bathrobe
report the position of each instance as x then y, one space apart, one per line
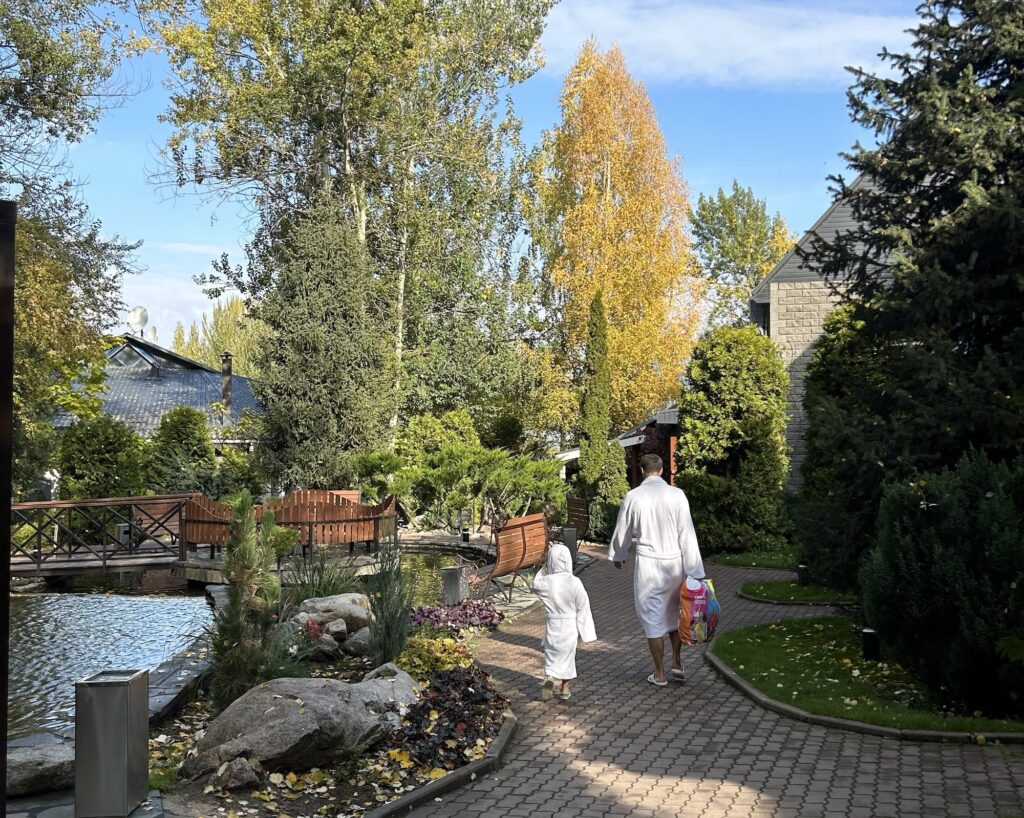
658 516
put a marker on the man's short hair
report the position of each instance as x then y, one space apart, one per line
651 464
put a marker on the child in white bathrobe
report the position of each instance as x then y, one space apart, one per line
568 619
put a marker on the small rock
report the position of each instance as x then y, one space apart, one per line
328 646
234 775
40 769
337 629
358 644
385 671
353 608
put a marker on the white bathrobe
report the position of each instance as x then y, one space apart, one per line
658 515
568 613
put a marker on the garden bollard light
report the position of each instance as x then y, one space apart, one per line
569 540
870 645
801 574
454 585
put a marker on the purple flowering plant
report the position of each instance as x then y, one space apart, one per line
467 615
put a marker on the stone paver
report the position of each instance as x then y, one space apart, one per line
701 748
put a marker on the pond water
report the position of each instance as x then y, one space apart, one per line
57 639
425 569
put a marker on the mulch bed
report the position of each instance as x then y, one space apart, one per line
453 724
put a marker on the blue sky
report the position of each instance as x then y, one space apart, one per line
754 91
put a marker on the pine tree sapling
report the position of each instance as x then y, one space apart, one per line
731 451
250 645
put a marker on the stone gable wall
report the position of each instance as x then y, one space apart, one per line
798 312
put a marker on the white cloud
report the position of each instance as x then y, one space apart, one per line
167 298
187 247
732 43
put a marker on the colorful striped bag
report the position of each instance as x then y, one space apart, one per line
698 611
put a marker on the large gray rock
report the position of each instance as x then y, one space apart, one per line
40 769
358 644
296 724
354 609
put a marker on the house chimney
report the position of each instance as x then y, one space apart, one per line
225 383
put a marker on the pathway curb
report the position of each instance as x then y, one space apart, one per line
896 733
455 779
794 603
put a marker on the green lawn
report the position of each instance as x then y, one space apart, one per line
782 591
816 665
786 559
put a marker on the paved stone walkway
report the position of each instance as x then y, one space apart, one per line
623 747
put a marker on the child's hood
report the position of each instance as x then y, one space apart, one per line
559 560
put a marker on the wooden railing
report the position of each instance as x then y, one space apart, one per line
111 532
98 531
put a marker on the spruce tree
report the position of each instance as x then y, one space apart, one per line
327 365
602 476
933 273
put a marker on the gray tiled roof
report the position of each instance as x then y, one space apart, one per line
139 395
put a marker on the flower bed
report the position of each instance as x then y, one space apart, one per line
454 723
469 615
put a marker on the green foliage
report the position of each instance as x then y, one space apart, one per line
100 457
249 644
944 585
67 293
738 244
846 461
933 272
440 469
326 369
316 576
426 654
390 604
731 452
602 476
181 454
237 471
229 328
412 136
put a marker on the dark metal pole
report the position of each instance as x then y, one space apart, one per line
8 217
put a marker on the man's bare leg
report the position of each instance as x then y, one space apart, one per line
676 646
657 648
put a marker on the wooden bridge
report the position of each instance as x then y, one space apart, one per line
63 537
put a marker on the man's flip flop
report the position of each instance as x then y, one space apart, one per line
564 696
655 682
547 689
678 673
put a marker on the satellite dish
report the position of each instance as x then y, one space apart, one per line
151 335
138 318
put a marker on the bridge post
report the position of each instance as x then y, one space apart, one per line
8 220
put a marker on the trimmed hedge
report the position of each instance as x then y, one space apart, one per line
731 453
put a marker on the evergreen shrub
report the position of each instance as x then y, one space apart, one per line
943 586
731 451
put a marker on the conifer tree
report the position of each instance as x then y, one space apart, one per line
602 476
327 366
927 361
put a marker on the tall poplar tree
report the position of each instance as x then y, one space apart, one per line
611 216
228 328
602 475
396 111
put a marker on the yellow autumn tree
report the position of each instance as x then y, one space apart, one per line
611 215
